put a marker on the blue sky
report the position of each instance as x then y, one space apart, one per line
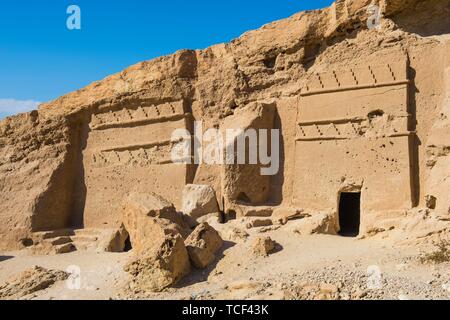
40 59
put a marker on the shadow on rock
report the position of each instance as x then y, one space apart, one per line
201 275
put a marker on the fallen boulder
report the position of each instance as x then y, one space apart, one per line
322 223
263 246
153 206
148 219
199 200
202 245
115 240
160 268
283 215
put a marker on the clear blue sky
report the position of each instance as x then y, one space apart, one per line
40 59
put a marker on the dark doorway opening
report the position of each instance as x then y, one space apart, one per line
127 247
350 214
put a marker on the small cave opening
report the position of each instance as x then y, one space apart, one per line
350 214
227 216
270 62
27 242
375 114
127 245
242 197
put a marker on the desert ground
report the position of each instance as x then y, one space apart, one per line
301 267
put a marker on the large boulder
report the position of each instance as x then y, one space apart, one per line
202 245
154 206
319 223
114 240
235 177
283 215
160 267
148 219
199 200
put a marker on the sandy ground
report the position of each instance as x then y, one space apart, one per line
346 268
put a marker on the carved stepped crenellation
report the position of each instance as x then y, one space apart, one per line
354 119
140 116
140 152
343 129
338 129
142 155
354 78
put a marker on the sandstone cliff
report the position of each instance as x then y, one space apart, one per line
42 176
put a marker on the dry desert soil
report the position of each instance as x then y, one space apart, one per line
302 267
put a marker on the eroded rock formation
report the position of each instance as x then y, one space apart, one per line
360 111
161 266
30 281
203 244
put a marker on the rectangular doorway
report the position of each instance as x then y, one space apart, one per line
349 214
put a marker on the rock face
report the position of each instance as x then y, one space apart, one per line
203 244
199 200
36 167
161 266
438 153
245 183
352 99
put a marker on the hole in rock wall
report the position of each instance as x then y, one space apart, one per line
127 247
349 214
228 216
270 62
242 197
376 114
27 242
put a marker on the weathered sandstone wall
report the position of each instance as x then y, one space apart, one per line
358 109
